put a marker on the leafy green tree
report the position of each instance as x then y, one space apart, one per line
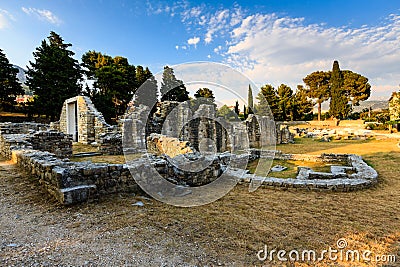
9 84
285 94
114 82
338 107
172 89
54 76
148 93
202 96
267 101
318 87
226 113
302 105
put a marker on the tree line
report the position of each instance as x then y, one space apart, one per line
54 75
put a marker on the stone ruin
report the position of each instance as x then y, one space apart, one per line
43 151
175 119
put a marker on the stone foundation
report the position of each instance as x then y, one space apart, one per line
75 182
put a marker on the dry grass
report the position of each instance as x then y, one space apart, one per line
231 230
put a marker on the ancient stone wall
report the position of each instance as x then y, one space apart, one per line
202 128
16 135
91 123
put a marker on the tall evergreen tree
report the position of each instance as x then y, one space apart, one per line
268 101
172 89
148 89
54 76
302 105
338 107
9 84
250 104
237 109
318 87
285 94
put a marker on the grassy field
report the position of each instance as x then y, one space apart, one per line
234 228
230 231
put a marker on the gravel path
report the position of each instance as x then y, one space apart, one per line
37 231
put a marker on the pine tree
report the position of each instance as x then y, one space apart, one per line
203 96
9 84
318 87
54 76
250 104
172 89
237 109
302 105
285 94
147 92
338 107
356 87
114 81
267 102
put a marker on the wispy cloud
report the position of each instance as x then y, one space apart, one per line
271 48
5 18
277 49
42 14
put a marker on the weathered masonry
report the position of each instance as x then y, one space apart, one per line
75 182
80 118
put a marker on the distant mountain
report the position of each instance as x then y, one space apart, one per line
376 105
21 74
22 79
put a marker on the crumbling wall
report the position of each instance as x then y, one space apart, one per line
16 135
91 123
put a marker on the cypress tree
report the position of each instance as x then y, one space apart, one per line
338 107
250 104
54 76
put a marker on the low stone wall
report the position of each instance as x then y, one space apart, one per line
74 182
55 142
356 176
111 143
26 137
22 128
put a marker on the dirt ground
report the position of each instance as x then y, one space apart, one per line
37 231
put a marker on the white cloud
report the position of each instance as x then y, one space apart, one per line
208 56
193 41
276 49
272 49
5 18
42 14
177 47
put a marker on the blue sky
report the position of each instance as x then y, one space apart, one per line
274 42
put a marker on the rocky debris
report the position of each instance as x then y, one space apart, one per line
159 144
327 135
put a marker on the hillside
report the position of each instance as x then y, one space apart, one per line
22 79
